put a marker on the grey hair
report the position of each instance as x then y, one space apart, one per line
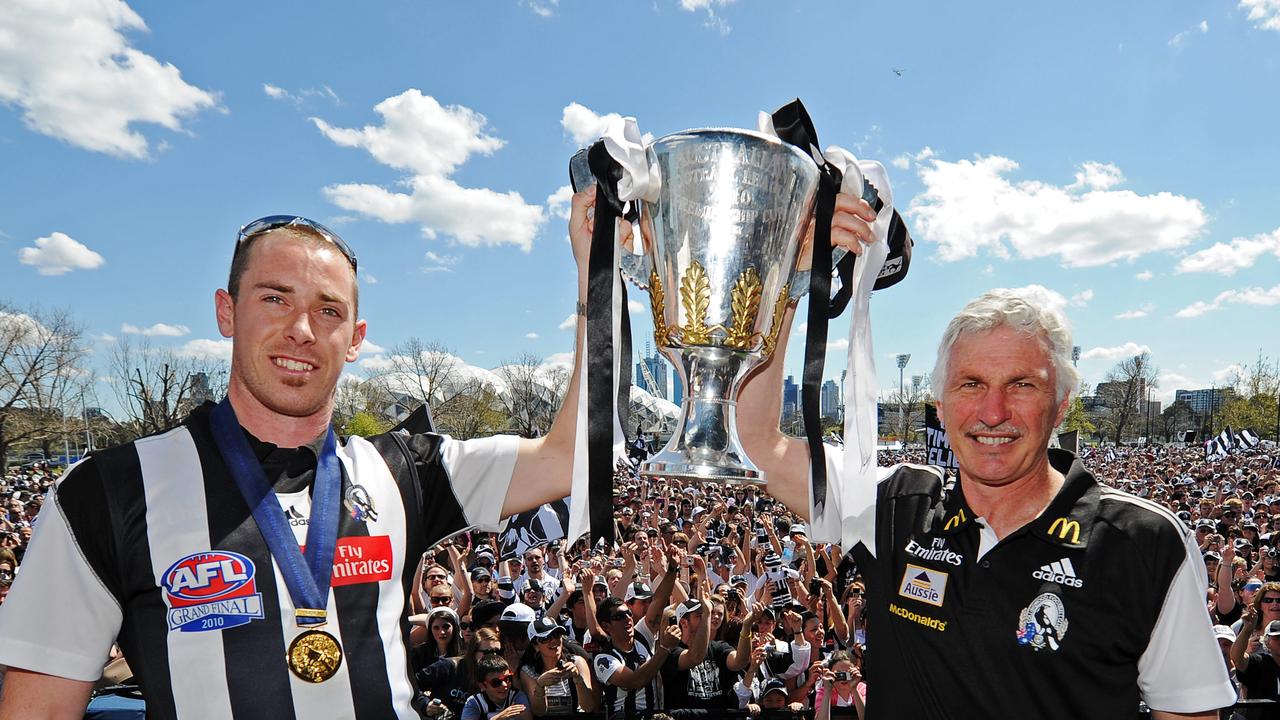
1032 310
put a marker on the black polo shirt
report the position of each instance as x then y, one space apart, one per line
1096 603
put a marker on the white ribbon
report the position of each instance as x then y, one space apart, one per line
626 146
858 477
622 140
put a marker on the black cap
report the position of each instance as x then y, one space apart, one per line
544 627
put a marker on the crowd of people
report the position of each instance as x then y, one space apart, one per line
715 598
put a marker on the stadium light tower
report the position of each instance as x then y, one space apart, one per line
903 359
1075 355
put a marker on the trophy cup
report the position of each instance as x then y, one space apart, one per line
722 239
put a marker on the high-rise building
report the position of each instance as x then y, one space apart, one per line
1204 401
790 396
658 380
829 399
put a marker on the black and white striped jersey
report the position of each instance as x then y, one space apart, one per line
152 543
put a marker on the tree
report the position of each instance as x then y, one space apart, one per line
910 402
418 372
156 387
364 424
1077 418
1124 391
1252 404
41 353
532 395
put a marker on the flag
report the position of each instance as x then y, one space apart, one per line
1069 441
1248 438
1111 455
1226 440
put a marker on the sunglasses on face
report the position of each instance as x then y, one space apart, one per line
441 578
441 600
274 222
1271 601
465 625
620 616
500 681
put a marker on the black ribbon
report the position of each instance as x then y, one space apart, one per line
601 266
793 125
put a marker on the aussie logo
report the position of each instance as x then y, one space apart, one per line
923 584
212 590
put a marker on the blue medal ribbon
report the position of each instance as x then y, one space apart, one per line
306 574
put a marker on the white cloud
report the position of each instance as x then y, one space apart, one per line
1082 298
157 330
1245 296
564 358
1136 313
1227 258
902 162
376 363
1126 350
368 278
569 323
1168 383
58 253
278 93
70 69
430 141
971 205
23 329
207 349
841 344
1181 38
558 202
1144 275
583 124
637 307
435 262
1264 14
369 347
1228 373
104 338
531 336
713 20
1097 176
541 8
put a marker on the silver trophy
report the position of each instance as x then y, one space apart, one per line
722 240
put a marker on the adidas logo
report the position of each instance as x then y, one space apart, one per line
296 518
1060 572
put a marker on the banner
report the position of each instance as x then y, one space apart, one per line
1070 441
936 442
533 528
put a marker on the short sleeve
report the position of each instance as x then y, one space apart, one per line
59 618
1181 670
604 666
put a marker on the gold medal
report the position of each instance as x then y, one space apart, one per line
314 656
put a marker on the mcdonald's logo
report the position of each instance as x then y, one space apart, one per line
1063 527
955 520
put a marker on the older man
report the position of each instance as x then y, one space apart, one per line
1027 589
179 545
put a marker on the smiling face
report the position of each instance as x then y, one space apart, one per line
294 326
999 407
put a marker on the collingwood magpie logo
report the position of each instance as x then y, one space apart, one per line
1043 623
937 552
1061 572
296 519
359 504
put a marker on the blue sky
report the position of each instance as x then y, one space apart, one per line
1122 155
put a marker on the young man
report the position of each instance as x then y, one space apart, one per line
624 665
1006 593
499 697
173 543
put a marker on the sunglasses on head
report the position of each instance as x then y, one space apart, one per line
500 681
275 222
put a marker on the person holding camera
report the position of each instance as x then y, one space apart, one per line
557 683
840 691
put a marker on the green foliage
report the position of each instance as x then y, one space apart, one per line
1077 418
364 425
